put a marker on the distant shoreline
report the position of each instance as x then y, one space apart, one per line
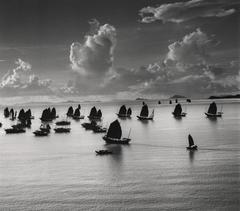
225 97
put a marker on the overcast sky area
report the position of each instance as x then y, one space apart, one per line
119 49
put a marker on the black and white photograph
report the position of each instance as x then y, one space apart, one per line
119 105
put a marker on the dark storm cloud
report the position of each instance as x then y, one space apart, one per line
181 11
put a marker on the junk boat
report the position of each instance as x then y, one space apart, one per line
212 111
191 146
14 130
61 123
124 112
103 152
94 114
62 130
178 111
45 128
144 113
40 133
114 134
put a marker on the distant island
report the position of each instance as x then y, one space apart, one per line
177 96
139 98
224 96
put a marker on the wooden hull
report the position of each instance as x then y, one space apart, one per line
144 118
116 141
94 118
40 133
219 114
14 131
179 115
100 130
103 152
194 147
77 117
63 123
124 116
61 130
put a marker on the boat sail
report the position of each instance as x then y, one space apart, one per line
70 111
178 111
212 111
144 113
191 145
123 112
114 134
129 112
94 114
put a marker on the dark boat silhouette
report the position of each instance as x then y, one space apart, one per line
94 114
188 100
15 130
13 115
89 125
62 130
6 112
70 111
144 113
191 145
77 115
178 111
40 133
94 127
62 123
212 111
124 112
99 129
49 115
103 152
45 128
114 134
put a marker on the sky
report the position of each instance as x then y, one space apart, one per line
118 49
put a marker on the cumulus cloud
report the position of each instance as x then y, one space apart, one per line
187 69
21 81
95 56
187 10
191 49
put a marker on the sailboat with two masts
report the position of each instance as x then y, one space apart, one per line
114 134
144 113
124 112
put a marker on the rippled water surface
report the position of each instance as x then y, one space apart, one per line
155 172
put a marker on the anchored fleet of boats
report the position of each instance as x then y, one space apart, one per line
113 132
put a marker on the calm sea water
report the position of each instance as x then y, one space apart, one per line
155 172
